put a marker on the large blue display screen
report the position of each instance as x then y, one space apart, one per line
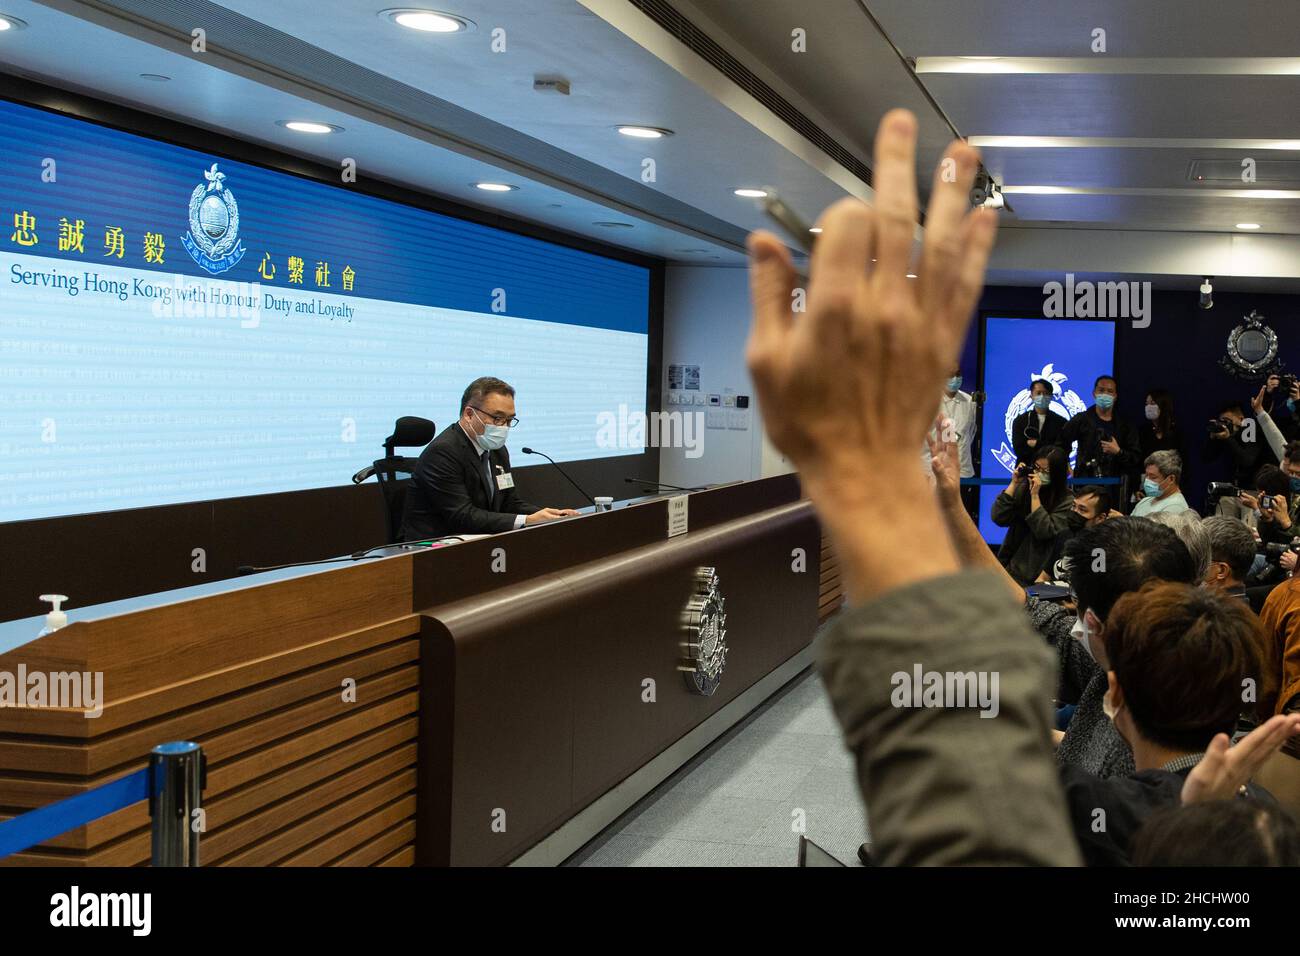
177 326
1069 353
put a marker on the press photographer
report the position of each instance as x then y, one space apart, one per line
1233 437
1037 507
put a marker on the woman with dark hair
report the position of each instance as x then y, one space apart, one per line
1161 431
1036 507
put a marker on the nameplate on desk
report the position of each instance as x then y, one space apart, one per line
677 523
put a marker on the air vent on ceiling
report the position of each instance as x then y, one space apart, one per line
1268 172
691 35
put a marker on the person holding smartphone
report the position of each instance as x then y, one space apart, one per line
1108 445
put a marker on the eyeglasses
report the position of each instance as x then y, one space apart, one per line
497 419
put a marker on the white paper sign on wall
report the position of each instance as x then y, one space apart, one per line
677 523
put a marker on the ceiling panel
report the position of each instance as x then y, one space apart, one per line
1195 214
1124 168
1208 107
1148 28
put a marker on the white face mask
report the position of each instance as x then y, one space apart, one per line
1153 412
493 437
1080 632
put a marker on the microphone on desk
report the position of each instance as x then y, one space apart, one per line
658 484
533 451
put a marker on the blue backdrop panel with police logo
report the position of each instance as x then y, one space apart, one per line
179 326
1069 353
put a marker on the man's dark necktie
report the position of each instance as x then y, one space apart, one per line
487 473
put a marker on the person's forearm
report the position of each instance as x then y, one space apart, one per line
972 550
871 535
938 782
1272 434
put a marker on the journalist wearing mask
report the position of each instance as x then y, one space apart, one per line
1160 431
1035 508
1039 427
1160 485
1108 445
959 409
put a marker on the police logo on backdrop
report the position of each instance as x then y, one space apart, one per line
704 619
1252 349
1065 402
213 239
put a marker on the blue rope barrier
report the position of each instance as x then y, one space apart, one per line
47 822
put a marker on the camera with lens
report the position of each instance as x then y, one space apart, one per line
1268 501
1022 470
1217 426
1273 551
1285 383
1222 489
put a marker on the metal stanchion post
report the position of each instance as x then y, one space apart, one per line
176 790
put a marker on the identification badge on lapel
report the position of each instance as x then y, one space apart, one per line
504 480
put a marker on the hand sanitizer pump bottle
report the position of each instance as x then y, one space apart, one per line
57 618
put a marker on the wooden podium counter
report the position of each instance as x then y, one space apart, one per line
450 706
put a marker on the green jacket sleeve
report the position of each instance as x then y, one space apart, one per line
944 785
1004 509
1046 525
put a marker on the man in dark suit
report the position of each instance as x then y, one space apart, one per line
463 484
1033 432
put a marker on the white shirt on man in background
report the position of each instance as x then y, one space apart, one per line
960 409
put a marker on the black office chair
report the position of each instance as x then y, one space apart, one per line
393 472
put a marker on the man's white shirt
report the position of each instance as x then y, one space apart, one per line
960 408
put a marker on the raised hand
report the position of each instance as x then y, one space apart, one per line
1225 769
945 461
838 383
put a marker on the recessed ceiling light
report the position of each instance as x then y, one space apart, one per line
980 58
613 225
818 231
154 77
911 275
429 21
308 126
749 193
494 187
1247 225
644 132
11 23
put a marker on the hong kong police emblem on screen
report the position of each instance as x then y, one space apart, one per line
213 239
1065 402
